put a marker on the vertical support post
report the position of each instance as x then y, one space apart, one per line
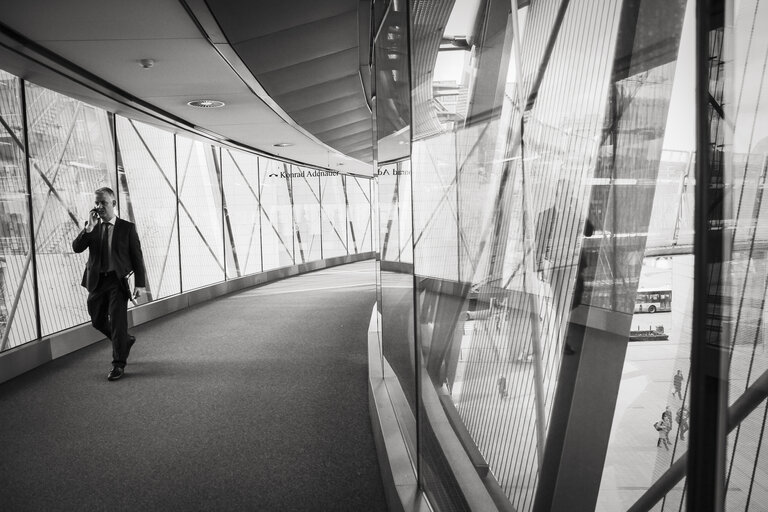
372 216
458 208
709 385
217 163
178 219
112 121
320 207
258 198
296 230
28 171
288 184
346 211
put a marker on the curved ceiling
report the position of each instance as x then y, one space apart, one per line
294 73
312 59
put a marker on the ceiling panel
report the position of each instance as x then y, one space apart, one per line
309 60
353 140
242 19
240 109
338 120
320 93
182 66
277 65
315 72
344 131
289 47
327 109
364 154
43 20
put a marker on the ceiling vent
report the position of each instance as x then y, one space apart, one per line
206 103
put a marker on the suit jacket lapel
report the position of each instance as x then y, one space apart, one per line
115 230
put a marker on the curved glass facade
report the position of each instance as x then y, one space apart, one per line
571 272
204 213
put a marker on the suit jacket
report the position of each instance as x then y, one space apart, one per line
126 254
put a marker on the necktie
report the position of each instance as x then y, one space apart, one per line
104 255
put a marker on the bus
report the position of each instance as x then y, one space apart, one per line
653 300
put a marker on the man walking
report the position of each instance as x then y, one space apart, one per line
114 251
677 381
502 384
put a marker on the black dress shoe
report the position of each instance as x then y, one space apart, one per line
116 373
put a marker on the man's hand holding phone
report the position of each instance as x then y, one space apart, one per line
93 219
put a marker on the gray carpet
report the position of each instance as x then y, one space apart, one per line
256 401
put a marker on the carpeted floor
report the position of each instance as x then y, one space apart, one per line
256 401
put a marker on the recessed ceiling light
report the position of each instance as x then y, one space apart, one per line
282 144
206 103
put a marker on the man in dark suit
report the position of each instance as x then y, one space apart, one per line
114 251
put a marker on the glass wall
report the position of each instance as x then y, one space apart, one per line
547 288
738 159
203 213
360 227
334 215
147 190
276 213
305 198
71 154
242 228
395 277
200 213
17 295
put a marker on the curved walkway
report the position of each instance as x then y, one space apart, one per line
255 401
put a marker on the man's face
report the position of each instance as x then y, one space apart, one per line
106 205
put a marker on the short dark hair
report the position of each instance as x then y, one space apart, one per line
105 190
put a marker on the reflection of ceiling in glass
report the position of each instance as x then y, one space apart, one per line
393 90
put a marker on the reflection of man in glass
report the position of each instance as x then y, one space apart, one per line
502 384
552 262
549 264
114 252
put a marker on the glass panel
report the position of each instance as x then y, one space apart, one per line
147 173
739 137
242 226
334 216
435 213
276 213
200 208
360 226
536 160
396 306
404 215
71 155
305 187
392 115
389 212
17 301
